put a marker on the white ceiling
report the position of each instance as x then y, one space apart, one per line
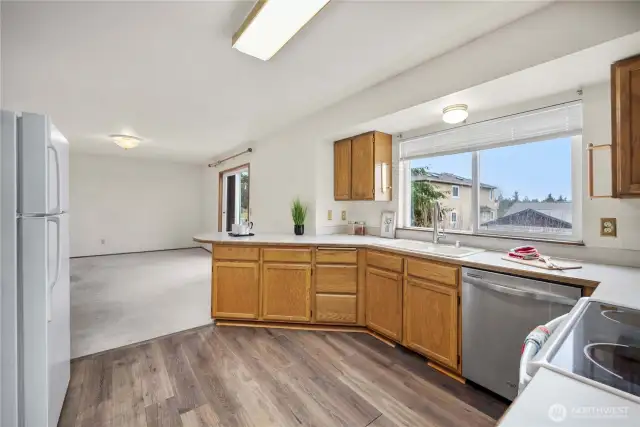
570 72
166 70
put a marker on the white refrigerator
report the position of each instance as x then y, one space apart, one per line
34 254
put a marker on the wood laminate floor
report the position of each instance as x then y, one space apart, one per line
232 376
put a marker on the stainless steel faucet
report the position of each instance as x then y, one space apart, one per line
437 213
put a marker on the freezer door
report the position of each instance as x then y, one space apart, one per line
43 164
8 272
44 284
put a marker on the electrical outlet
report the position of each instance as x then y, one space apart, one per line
330 215
608 227
344 215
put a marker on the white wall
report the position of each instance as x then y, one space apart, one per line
597 130
132 204
280 170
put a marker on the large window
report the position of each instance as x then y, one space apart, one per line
523 190
518 175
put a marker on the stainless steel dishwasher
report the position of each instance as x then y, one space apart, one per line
498 312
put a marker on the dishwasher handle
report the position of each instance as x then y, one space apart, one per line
540 296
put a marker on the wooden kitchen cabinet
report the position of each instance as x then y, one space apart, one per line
336 308
431 320
384 302
362 167
236 290
625 103
342 169
286 292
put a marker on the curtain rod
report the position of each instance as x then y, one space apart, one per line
219 162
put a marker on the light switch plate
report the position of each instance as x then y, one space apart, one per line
608 227
344 215
329 214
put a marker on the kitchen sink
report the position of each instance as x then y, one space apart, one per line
435 249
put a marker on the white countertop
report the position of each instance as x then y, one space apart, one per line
616 285
552 399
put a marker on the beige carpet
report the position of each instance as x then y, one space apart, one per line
123 299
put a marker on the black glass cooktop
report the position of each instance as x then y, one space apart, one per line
604 346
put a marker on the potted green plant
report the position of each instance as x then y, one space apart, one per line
299 214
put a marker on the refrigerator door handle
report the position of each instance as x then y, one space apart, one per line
56 276
56 156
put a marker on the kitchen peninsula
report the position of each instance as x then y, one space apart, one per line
366 283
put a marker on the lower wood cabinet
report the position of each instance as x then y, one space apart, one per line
286 292
384 302
335 308
431 320
236 290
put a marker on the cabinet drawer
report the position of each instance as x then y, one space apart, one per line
386 261
335 308
287 255
445 274
236 253
336 256
337 278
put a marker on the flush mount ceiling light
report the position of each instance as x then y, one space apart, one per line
125 141
455 113
272 23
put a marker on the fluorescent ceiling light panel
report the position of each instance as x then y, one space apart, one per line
272 23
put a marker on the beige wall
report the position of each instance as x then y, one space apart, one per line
120 204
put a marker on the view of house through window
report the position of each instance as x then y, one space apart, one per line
524 189
446 179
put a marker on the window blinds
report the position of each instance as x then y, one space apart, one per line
557 121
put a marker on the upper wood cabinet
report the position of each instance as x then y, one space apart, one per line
431 320
236 290
342 169
625 94
286 292
384 302
362 167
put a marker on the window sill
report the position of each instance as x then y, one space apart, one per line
500 236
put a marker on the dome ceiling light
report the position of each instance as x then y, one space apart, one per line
125 141
455 113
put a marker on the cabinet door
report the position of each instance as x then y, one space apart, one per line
342 169
384 302
626 126
286 292
431 321
236 290
336 308
362 167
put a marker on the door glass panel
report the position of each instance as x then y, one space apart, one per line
244 196
235 197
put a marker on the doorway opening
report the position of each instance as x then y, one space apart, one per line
233 197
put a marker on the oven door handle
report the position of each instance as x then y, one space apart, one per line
540 296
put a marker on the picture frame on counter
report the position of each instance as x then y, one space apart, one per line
388 224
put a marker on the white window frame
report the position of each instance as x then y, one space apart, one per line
456 187
576 198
